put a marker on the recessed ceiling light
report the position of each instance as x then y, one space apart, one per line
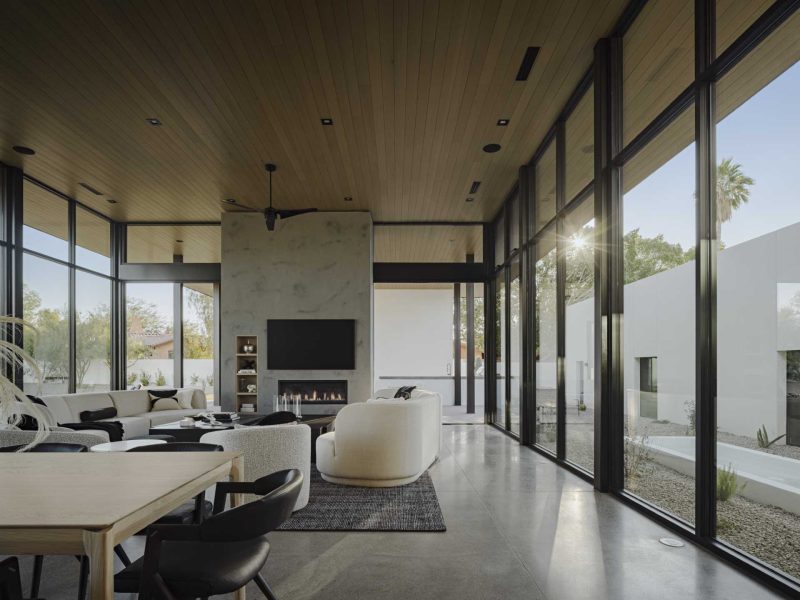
153 121
326 121
111 201
24 150
348 198
95 191
179 241
503 122
491 148
470 200
230 200
473 189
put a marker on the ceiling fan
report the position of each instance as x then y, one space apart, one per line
270 213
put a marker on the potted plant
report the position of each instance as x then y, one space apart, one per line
14 403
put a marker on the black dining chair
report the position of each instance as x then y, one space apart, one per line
48 447
220 555
10 584
279 418
189 512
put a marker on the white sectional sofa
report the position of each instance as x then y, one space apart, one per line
383 442
133 408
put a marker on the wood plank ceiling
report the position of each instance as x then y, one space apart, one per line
415 89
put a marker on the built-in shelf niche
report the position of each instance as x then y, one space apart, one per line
246 373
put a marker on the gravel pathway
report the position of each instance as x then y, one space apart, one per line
767 532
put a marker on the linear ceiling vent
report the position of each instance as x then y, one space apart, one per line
473 189
95 191
527 63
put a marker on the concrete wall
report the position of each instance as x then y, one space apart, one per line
317 266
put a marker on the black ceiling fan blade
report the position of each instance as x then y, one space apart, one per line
286 213
241 207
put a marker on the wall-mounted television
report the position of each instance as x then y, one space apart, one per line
304 344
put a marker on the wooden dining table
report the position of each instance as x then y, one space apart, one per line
86 503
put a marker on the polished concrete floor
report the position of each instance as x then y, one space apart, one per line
517 527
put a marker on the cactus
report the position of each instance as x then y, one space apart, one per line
763 437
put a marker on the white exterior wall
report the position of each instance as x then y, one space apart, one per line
659 320
414 337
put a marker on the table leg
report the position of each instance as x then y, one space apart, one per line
237 474
99 548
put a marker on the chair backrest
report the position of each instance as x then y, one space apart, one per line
49 447
10 584
260 516
279 418
179 447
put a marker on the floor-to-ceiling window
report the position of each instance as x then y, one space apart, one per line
500 349
579 249
659 327
758 300
546 341
66 284
515 346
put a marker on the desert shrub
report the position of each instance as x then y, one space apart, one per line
636 452
727 483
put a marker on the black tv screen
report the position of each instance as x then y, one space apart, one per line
298 344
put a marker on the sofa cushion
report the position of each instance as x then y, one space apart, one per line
168 416
133 426
130 402
58 409
80 402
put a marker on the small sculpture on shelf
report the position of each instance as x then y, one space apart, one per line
248 348
251 388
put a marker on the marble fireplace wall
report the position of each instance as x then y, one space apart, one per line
315 266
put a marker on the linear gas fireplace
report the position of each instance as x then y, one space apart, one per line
315 391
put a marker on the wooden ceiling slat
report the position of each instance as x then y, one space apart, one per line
415 89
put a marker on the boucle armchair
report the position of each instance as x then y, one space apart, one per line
267 449
17 437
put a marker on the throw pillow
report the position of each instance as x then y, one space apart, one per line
405 392
184 398
29 422
109 412
165 393
165 404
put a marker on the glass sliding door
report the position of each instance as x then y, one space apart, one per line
546 342
198 337
92 332
659 326
758 302
149 321
579 334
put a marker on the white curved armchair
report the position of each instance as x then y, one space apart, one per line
382 443
270 448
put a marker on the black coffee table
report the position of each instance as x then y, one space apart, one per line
193 434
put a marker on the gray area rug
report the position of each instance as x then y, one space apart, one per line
331 507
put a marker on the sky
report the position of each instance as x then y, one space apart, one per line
763 135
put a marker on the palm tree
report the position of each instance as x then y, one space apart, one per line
733 190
